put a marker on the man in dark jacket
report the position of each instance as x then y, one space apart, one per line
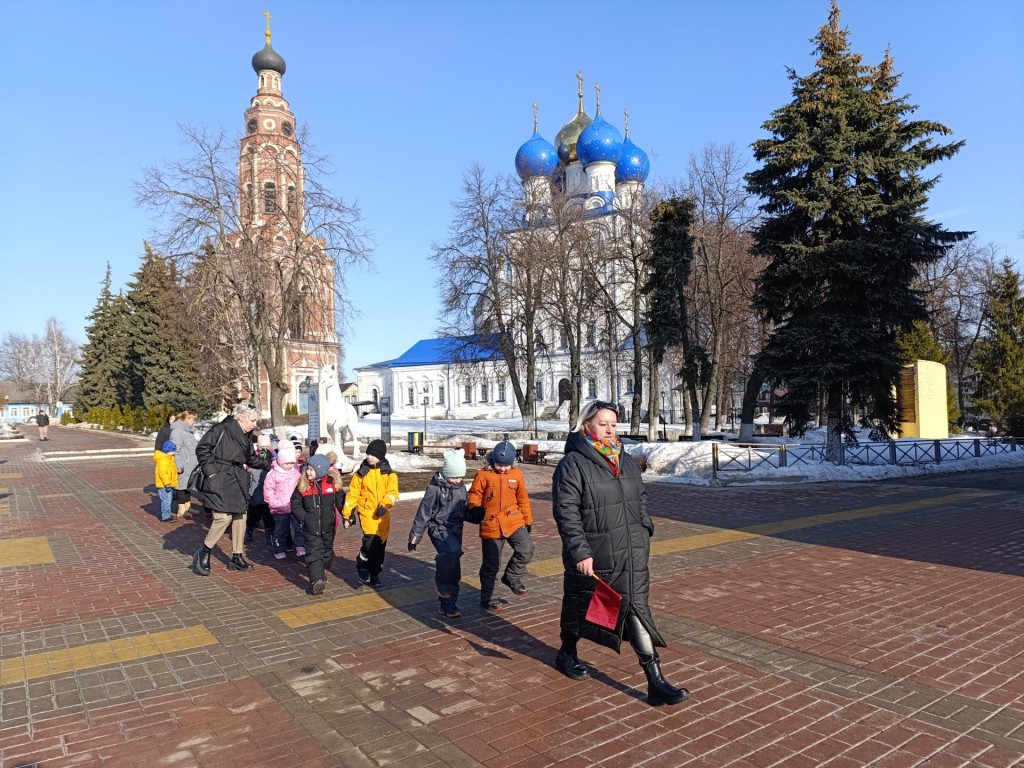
43 422
600 507
223 455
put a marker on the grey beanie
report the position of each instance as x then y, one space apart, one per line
320 465
454 463
504 453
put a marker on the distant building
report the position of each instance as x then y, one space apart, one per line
20 406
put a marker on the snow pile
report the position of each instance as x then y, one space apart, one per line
680 462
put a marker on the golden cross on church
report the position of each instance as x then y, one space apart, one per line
269 17
535 111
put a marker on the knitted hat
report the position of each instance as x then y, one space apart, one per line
285 453
504 453
263 441
377 448
454 463
320 465
169 447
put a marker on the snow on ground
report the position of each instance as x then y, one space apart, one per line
679 462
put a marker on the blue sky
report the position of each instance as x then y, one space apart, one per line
405 96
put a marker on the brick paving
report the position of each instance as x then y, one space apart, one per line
831 624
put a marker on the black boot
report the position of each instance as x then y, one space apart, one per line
239 563
569 664
201 561
659 690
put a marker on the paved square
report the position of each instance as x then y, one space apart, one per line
875 624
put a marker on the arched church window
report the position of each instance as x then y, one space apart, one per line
286 128
270 197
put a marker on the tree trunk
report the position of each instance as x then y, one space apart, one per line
654 407
753 389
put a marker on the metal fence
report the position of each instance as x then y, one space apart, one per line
734 457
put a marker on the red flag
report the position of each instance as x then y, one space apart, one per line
604 606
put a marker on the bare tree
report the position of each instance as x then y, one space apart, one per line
725 326
489 284
46 366
271 255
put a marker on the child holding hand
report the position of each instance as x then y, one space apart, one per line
441 515
371 495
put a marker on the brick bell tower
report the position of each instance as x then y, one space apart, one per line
271 197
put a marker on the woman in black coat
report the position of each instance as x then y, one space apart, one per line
223 454
600 508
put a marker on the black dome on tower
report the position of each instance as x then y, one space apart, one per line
268 58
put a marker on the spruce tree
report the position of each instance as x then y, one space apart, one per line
104 367
844 233
999 356
667 319
164 364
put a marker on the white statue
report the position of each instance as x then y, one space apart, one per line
339 417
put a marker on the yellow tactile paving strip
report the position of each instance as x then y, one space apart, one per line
10 475
371 601
54 495
32 550
367 602
99 654
5 507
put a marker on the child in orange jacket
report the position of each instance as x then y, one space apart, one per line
498 501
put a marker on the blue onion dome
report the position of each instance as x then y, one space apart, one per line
536 157
634 165
599 142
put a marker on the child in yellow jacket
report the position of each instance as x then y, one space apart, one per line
371 495
499 503
166 478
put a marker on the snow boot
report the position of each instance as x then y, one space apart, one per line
239 563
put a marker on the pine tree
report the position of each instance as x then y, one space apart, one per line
999 354
843 232
104 367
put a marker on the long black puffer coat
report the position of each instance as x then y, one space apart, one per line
223 453
605 517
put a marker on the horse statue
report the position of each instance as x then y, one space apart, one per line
339 416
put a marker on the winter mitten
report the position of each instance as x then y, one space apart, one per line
475 515
413 541
381 511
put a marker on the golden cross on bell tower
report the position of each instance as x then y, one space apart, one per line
625 114
536 111
579 81
269 17
597 90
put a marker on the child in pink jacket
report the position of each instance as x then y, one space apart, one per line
281 480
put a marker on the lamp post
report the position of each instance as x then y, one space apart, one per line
426 401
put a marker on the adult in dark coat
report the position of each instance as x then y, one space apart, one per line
164 433
600 507
223 454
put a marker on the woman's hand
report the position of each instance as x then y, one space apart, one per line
586 567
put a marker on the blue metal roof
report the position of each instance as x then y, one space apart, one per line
457 349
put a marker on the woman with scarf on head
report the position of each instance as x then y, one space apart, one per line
600 507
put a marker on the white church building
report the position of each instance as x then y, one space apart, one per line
462 378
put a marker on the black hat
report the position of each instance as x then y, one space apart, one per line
378 449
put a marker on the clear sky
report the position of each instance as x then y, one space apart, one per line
405 96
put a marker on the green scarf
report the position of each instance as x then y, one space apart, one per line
609 448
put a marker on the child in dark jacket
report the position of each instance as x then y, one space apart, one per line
441 514
314 502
